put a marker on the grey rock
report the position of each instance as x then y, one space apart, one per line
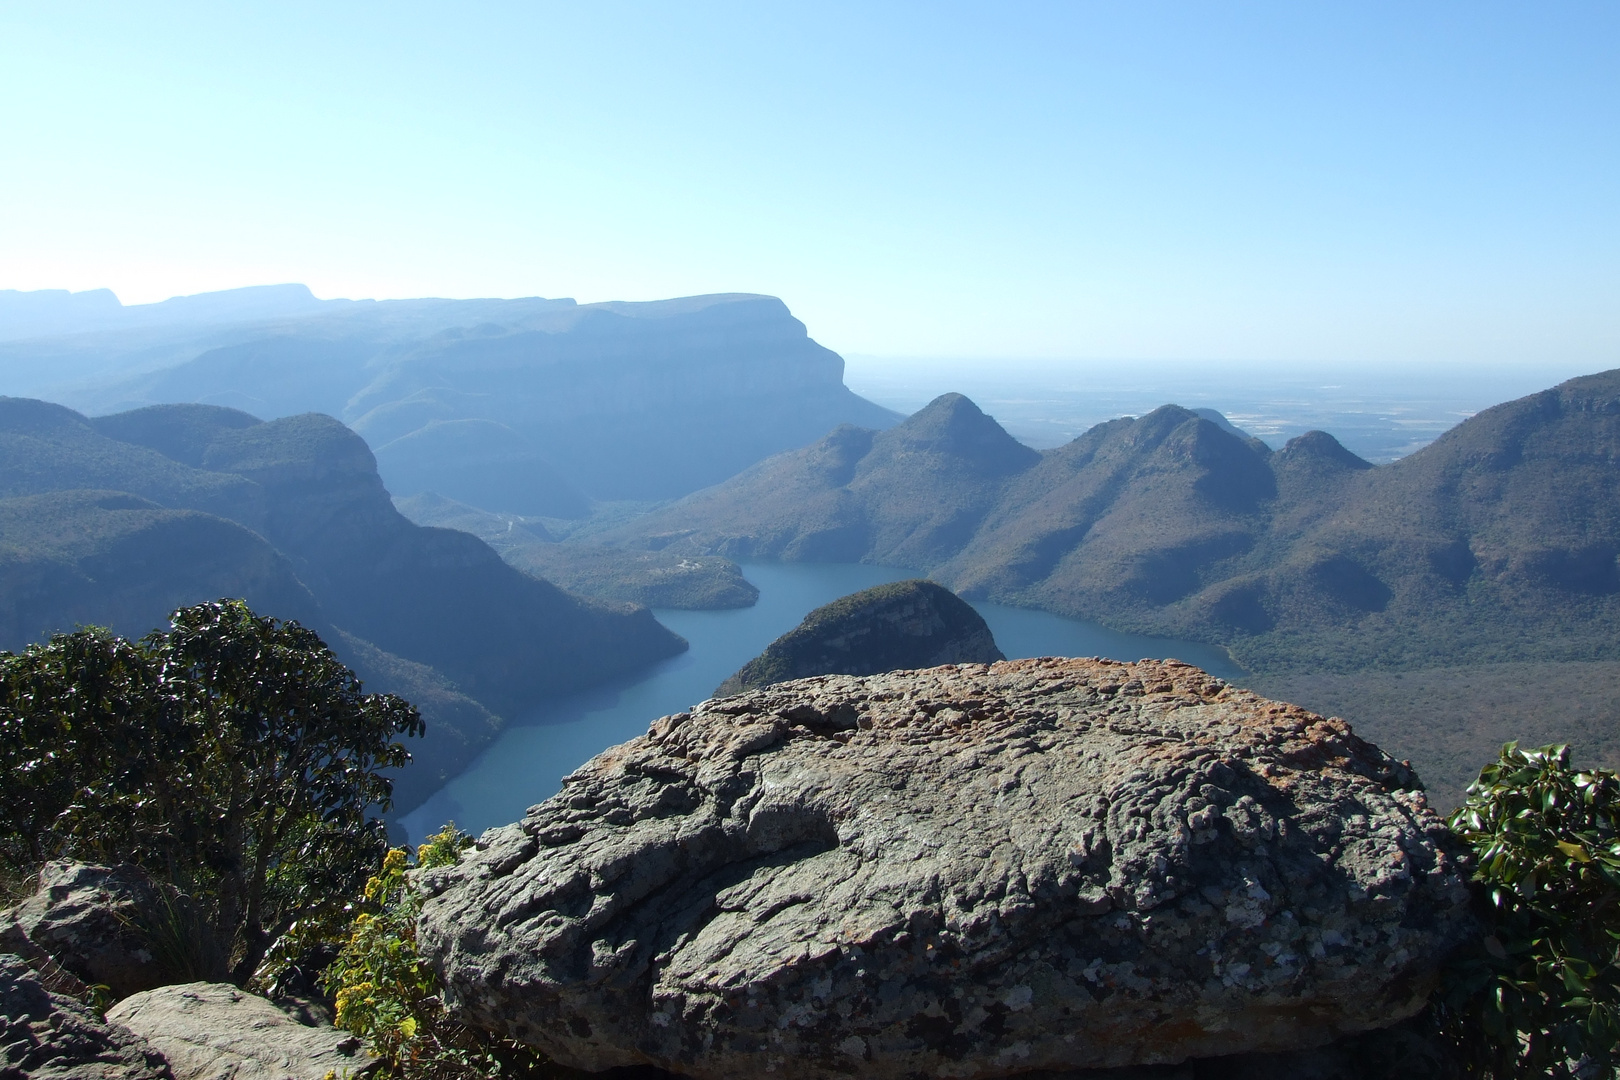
50 1035
213 1031
110 926
51 975
968 871
904 624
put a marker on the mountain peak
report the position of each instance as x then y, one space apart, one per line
1320 449
953 425
181 432
20 415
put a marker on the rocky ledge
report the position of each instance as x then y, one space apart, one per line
44 1033
967 871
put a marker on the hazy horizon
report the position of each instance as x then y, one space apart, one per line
1381 411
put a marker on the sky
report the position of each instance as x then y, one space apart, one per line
1297 183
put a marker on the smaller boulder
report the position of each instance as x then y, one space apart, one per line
213 1031
111 926
46 1034
903 625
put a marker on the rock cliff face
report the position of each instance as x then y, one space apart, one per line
906 624
969 871
625 400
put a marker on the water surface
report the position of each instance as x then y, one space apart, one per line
527 761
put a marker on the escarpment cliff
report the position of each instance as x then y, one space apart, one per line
526 406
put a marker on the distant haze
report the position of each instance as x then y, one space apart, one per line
527 406
1380 411
1313 183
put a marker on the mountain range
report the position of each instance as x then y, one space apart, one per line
1497 542
1425 595
116 520
52 312
529 406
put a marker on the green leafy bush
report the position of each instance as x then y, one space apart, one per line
1541 996
389 996
233 757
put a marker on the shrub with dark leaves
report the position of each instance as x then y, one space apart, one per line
1540 997
232 756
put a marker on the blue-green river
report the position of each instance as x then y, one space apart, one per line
527 762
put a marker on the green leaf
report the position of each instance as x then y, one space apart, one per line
1573 981
1574 851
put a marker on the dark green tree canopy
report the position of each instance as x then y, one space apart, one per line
233 756
1540 997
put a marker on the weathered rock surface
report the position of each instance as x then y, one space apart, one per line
959 872
49 1035
904 624
213 1031
100 923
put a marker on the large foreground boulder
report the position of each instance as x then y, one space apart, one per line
966 871
213 1031
52 1036
904 624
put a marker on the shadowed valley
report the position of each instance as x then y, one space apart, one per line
117 520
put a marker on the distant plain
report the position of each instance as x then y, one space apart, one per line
1379 412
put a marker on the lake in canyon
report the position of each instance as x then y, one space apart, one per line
527 761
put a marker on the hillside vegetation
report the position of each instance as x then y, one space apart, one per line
1445 719
1496 543
119 520
901 625
1460 597
656 579
229 753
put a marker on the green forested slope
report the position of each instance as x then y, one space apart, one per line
901 625
115 559
1496 543
656 579
118 520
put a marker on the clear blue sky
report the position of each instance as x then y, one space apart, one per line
1293 181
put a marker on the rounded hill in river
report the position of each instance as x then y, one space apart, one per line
902 625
